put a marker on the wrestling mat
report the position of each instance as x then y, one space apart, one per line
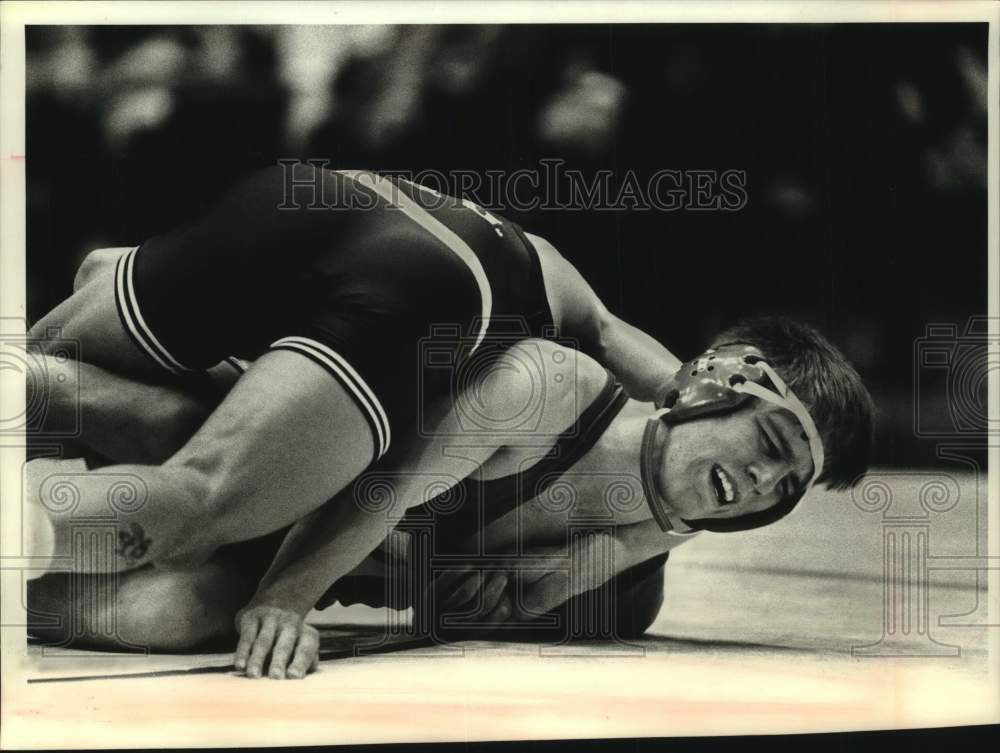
863 610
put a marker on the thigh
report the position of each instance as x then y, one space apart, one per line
285 439
88 325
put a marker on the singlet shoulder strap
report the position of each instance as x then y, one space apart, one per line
572 445
486 501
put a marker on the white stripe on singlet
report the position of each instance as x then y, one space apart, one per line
388 191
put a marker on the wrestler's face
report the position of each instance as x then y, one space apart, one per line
733 464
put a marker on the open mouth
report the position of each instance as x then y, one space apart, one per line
725 493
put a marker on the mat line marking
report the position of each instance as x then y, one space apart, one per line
328 655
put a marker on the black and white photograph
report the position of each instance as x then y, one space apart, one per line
423 372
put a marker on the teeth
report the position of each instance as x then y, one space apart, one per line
727 487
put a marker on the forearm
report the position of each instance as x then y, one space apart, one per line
334 540
640 362
330 543
132 532
320 549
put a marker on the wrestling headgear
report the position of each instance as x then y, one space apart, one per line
721 380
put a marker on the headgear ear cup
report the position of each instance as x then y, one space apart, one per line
660 512
718 381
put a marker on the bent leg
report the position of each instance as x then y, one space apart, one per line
102 409
285 439
89 319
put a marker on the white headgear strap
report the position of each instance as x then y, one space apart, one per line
785 398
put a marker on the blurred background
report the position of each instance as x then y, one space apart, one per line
864 148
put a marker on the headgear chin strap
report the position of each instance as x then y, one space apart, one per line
720 380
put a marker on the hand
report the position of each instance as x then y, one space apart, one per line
483 595
499 599
493 601
279 633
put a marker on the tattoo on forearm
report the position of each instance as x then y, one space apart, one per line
133 544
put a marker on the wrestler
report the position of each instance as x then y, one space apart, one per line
730 448
331 282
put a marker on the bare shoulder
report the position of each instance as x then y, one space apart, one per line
538 386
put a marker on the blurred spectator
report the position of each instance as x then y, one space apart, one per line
583 115
310 59
864 147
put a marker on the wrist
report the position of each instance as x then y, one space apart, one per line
288 601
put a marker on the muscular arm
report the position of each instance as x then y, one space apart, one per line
639 362
332 541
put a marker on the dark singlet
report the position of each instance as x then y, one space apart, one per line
454 530
637 591
384 284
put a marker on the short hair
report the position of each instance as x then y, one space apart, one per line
827 384
833 393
